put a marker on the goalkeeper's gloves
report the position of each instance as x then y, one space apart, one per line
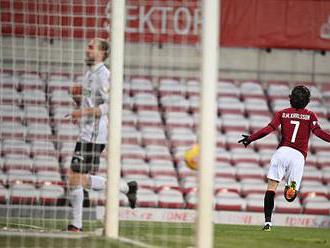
245 141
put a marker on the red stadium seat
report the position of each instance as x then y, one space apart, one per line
129 118
191 199
15 146
227 88
277 90
149 119
223 169
58 82
61 98
252 188
257 122
171 86
178 120
319 145
250 172
170 198
311 161
230 105
134 167
39 131
174 103
9 96
133 152
270 142
231 186
66 132
34 97
31 81
130 135
255 202
18 162
140 85
251 89
165 181
194 103
45 163
158 152
323 159
181 137
257 106
8 81
145 101
11 114
193 87
312 174
49 178
283 206
326 175
244 155
52 195
234 122
162 167
43 148
223 155
314 198
60 114
313 189
23 194
229 201
189 184
153 136
147 198
322 208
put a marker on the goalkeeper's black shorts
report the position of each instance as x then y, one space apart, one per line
86 157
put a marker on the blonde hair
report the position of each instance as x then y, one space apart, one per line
103 45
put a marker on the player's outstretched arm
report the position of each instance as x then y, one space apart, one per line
255 136
322 134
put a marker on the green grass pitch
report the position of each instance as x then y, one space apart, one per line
156 234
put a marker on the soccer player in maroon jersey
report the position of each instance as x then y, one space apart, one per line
288 161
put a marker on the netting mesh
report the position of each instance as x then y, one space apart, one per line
43 49
42 55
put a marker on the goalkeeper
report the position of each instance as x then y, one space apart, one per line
92 96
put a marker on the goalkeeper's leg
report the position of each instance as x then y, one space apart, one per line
76 198
99 183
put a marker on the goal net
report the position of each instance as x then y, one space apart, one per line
43 53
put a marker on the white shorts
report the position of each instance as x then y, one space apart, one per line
287 163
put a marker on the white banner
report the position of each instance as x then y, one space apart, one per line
220 217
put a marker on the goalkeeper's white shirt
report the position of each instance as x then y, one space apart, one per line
95 93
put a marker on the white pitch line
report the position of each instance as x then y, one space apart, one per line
69 235
48 234
135 242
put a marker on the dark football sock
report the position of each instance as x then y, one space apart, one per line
269 205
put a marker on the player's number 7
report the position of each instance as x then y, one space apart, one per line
295 131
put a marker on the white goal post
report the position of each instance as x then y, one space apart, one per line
207 132
115 106
209 70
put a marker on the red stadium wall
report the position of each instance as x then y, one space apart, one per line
276 23
256 23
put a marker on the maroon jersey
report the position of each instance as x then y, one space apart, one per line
296 126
